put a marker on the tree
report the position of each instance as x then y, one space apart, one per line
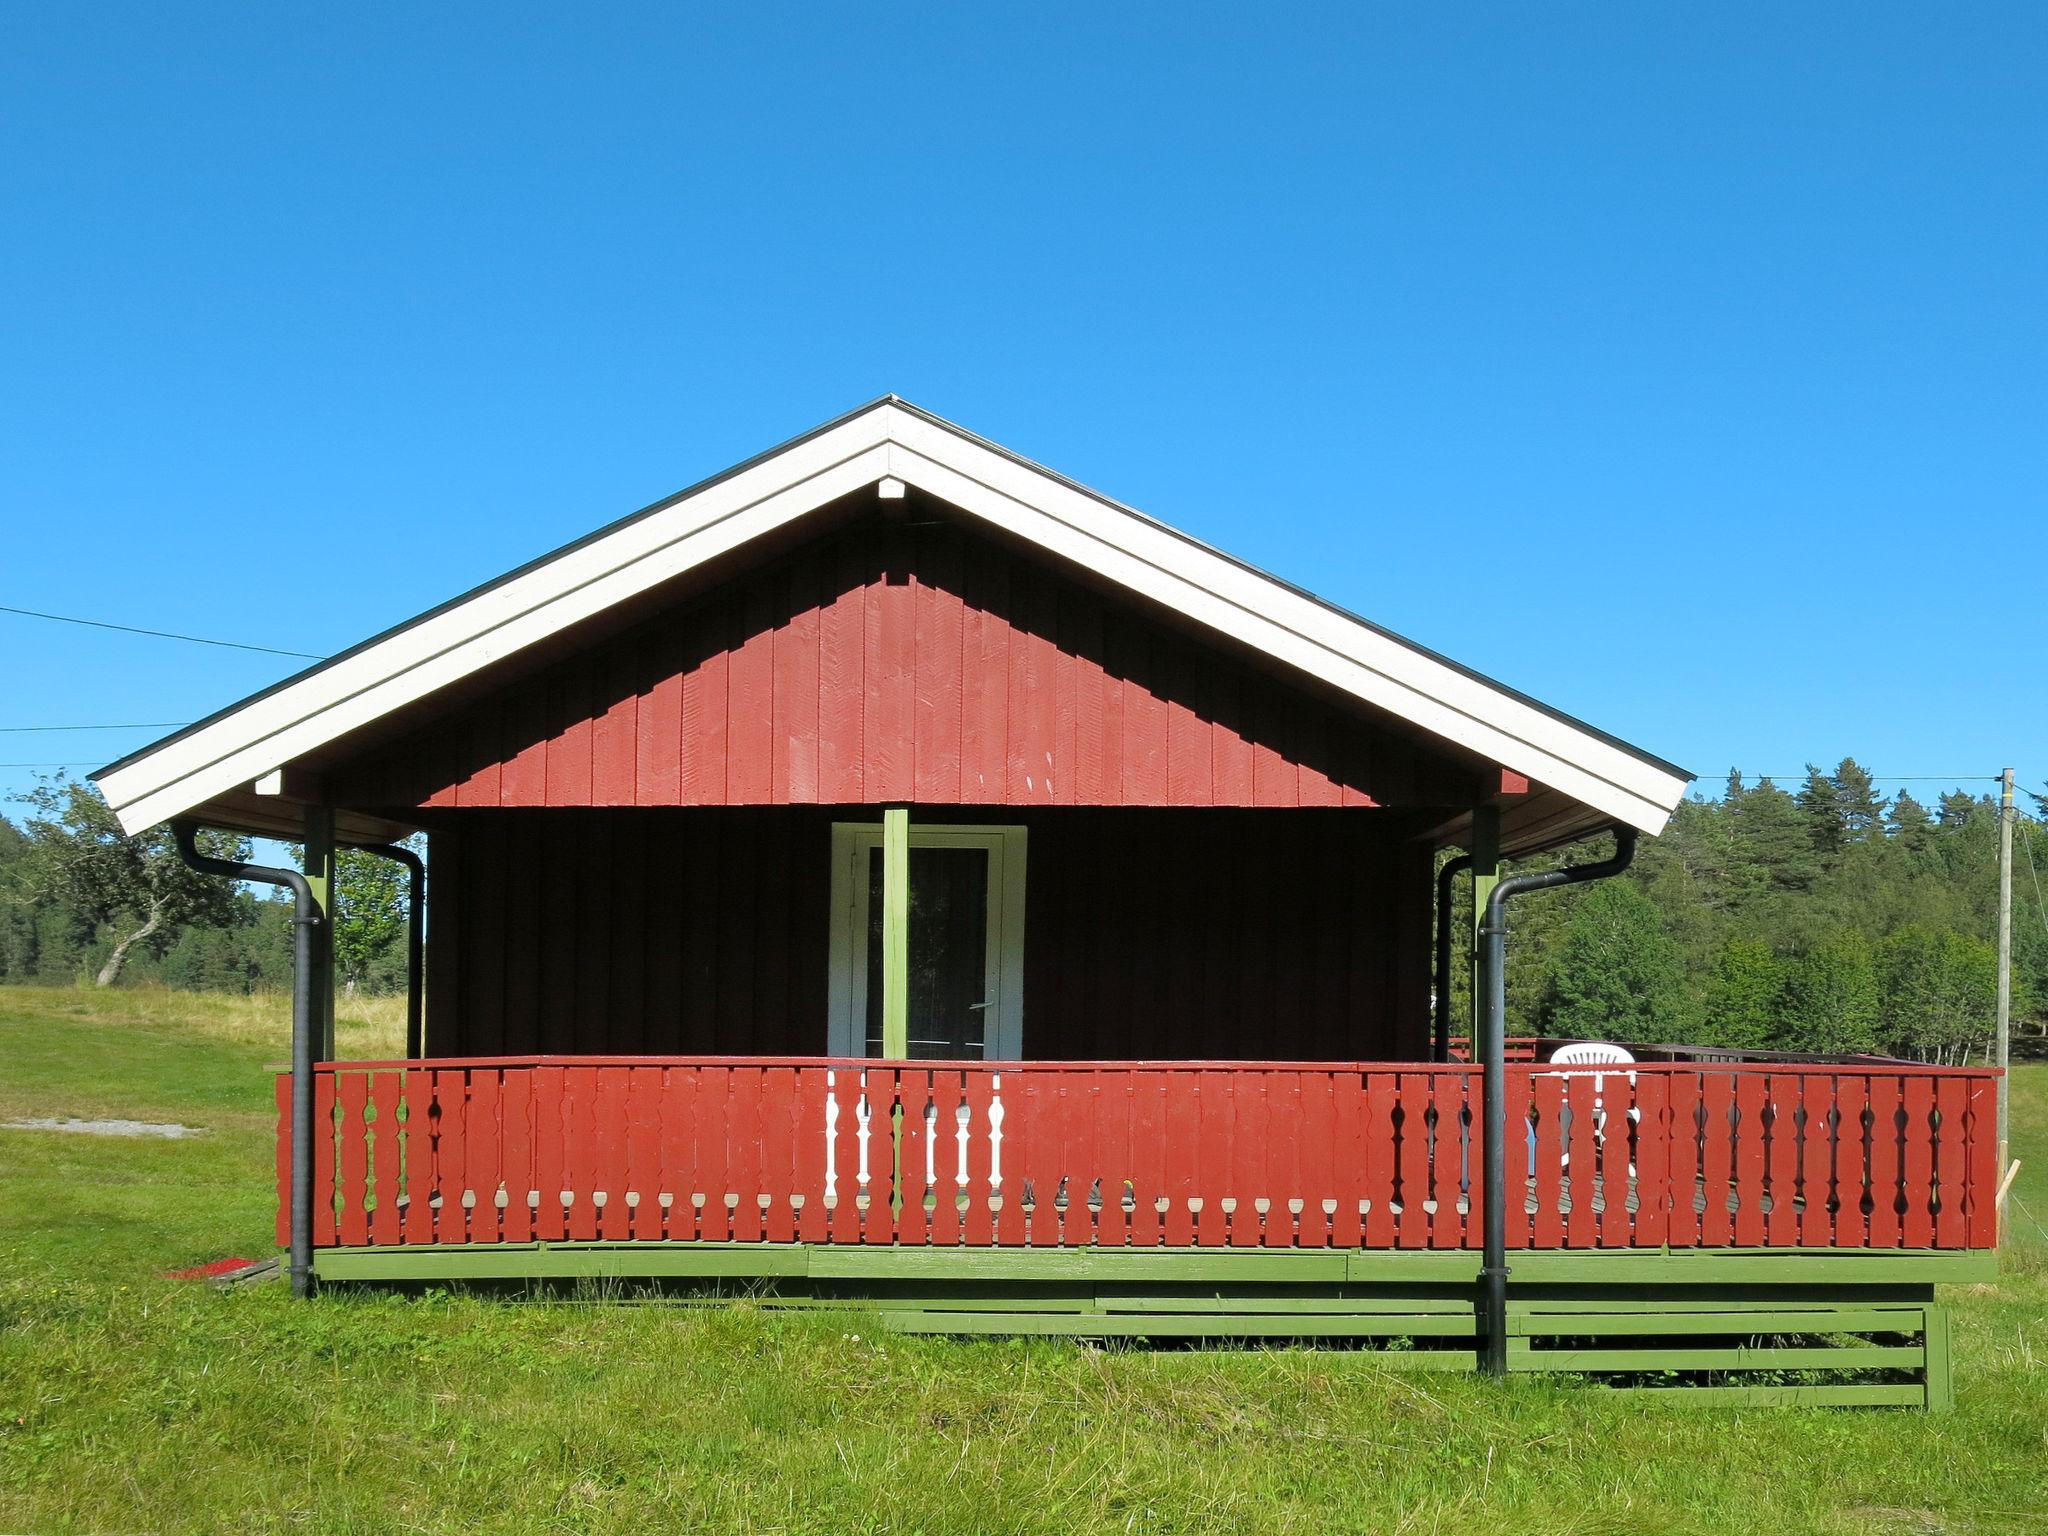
1615 974
1958 806
1822 812
1912 827
134 891
20 953
1940 989
1829 1002
1742 997
371 897
1858 807
1775 837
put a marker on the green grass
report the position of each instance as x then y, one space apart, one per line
130 1403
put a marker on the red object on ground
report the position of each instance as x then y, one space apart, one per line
213 1271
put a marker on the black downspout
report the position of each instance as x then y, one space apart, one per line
305 917
1493 936
415 941
1440 1044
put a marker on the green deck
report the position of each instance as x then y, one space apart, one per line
1701 1325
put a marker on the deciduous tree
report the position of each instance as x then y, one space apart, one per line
1829 1003
1741 1007
1615 974
134 891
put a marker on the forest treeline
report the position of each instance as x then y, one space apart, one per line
1824 917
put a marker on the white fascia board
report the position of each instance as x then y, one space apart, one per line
495 624
1265 614
1008 493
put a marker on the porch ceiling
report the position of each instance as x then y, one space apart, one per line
282 816
1529 823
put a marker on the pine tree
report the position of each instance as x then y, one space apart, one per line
1822 811
1912 827
1957 807
1615 974
1772 832
1858 807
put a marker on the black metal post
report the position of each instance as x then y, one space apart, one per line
1446 879
1493 935
306 916
415 942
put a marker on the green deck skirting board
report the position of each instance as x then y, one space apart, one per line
1763 1266
684 1260
1754 1299
1655 1321
1941 1390
1590 1313
1899 1357
1097 1302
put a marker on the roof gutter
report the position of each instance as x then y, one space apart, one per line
306 916
1493 939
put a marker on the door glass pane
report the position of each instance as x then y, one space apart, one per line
948 953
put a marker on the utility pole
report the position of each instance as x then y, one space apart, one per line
2004 964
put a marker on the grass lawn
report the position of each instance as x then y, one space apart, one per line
129 1403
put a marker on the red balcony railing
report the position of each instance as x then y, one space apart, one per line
1171 1154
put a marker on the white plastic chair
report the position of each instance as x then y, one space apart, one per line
1591 1053
1597 1053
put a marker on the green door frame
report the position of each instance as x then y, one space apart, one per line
896 932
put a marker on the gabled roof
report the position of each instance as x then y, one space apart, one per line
888 439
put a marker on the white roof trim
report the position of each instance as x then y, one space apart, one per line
883 440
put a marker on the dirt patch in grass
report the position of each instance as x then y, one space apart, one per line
169 1131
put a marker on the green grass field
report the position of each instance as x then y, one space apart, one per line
130 1403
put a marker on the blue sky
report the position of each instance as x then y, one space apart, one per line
1680 366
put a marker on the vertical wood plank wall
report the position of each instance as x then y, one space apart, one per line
1149 933
891 664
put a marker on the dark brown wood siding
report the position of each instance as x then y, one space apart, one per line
1190 934
628 931
918 665
1149 933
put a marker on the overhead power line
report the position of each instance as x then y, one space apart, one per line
159 634
1889 778
140 725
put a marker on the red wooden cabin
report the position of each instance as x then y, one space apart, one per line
891 870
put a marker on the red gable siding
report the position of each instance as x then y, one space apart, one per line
904 664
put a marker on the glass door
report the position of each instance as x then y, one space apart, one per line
964 939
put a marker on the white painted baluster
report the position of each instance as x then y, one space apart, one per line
863 1114
961 1115
831 1139
995 1135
